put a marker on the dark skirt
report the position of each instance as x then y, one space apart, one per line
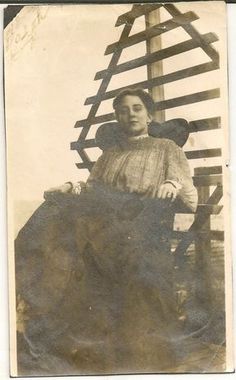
95 273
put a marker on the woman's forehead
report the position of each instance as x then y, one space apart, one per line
131 100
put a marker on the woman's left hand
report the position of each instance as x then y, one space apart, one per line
167 191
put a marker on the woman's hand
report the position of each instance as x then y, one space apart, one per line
167 191
65 188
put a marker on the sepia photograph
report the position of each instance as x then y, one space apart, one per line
118 190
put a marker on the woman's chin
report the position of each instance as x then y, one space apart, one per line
134 130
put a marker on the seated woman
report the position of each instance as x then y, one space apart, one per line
94 266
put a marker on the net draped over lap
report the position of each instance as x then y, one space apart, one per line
94 272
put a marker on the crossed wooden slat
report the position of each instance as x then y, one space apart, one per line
202 216
196 40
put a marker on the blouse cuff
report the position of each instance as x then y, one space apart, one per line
76 187
176 184
71 185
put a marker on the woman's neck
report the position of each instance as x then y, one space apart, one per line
132 138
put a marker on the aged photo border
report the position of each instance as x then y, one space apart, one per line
233 172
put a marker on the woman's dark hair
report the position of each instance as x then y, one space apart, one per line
144 96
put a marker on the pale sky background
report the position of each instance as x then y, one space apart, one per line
51 56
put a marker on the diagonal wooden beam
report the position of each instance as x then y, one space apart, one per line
157 56
189 28
137 12
85 158
106 80
156 30
200 219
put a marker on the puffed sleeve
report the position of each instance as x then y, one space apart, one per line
97 172
178 172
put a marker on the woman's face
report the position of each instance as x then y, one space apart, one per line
133 116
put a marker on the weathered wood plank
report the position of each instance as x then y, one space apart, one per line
217 235
203 250
157 56
95 120
207 180
163 79
156 30
137 12
203 153
189 99
81 165
213 235
205 124
155 70
189 28
207 170
83 144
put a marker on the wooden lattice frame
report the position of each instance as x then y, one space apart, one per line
207 176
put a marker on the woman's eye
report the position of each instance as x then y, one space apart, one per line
137 109
123 111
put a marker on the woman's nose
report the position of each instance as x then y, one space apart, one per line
131 112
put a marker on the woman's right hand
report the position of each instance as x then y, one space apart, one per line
63 189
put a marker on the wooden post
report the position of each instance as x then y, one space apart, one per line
155 69
203 251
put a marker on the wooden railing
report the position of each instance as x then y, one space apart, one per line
200 232
177 20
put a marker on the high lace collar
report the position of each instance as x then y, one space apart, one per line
135 138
